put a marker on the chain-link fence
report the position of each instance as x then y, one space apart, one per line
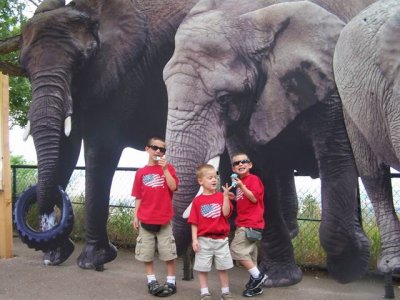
308 250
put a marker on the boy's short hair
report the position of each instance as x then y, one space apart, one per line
200 170
155 138
239 153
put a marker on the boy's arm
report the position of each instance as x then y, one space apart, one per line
170 179
226 204
195 242
248 193
135 218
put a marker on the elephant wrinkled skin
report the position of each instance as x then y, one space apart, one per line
99 62
367 73
257 76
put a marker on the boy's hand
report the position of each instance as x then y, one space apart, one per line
227 189
135 223
162 162
232 196
195 245
239 183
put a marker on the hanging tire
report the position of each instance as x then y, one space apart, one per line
43 240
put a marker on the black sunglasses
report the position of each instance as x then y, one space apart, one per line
243 161
155 148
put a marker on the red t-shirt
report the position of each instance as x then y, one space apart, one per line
150 186
250 214
206 213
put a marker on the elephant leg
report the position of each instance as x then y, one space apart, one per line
277 256
289 202
377 183
101 160
341 235
69 154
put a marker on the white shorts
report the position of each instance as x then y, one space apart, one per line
210 250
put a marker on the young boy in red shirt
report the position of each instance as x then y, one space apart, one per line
210 228
250 216
153 188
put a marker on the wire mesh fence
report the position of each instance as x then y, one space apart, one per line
308 251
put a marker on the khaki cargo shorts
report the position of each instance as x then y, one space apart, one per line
147 242
212 249
242 248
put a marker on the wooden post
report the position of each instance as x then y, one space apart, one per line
5 174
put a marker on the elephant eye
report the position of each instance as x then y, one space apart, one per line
225 99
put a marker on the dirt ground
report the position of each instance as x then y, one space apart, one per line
25 277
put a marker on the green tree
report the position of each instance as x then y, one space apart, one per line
11 19
23 177
309 208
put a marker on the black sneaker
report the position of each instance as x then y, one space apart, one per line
256 282
169 289
252 292
155 288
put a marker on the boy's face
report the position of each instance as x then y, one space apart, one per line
241 165
209 180
156 149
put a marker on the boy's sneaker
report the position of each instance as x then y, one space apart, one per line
226 296
155 288
253 292
169 289
256 282
206 296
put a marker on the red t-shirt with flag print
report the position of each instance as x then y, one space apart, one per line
206 213
150 186
249 214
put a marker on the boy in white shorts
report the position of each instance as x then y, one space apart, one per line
210 228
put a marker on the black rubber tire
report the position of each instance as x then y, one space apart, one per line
46 240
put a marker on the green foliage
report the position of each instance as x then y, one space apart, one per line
24 177
12 18
18 160
309 208
20 99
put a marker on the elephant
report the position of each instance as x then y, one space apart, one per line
257 77
98 66
366 69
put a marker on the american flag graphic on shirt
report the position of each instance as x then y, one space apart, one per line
153 180
211 210
239 194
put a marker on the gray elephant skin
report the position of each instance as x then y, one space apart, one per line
99 62
257 76
367 73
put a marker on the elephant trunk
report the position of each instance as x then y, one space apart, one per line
50 104
46 116
185 162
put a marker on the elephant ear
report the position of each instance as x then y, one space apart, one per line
294 44
388 52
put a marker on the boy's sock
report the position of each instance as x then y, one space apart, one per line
151 278
204 291
225 290
171 279
254 272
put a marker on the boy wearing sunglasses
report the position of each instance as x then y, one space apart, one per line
153 189
249 221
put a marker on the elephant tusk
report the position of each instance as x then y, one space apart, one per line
67 126
27 131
